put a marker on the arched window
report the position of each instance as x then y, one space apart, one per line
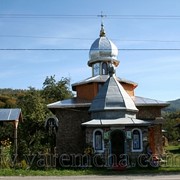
136 140
98 142
104 68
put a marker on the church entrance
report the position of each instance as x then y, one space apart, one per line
117 147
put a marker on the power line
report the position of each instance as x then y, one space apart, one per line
89 39
90 16
45 16
69 49
144 17
45 37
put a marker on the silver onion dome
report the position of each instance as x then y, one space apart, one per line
103 50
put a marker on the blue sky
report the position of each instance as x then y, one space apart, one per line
156 72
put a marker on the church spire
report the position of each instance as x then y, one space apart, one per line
102 31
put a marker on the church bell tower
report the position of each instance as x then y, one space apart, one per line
103 52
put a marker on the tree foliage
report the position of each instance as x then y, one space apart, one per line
171 120
7 101
34 114
33 105
32 135
56 90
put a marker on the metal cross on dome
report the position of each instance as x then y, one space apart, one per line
102 16
102 31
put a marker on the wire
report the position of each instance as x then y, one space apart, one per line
45 16
44 37
143 17
64 49
89 16
90 39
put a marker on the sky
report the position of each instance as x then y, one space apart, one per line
72 26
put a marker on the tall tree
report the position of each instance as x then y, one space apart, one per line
56 90
32 128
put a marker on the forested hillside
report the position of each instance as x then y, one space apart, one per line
174 106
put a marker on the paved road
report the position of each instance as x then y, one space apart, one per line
116 177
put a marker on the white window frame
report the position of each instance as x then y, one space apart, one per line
141 142
96 150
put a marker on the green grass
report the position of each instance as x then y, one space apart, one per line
172 158
50 172
173 149
79 172
172 165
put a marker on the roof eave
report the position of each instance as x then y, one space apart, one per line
101 80
113 122
68 106
148 105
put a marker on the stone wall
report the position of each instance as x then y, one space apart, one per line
148 112
71 135
133 158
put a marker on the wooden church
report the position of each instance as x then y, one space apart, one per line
106 115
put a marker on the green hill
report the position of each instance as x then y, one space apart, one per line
174 106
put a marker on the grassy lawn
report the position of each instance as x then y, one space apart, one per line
171 165
91 171
173 149
173 157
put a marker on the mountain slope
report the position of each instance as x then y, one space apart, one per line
174 106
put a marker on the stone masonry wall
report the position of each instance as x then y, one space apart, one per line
71 135
150 112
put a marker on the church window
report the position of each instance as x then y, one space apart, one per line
104 68
136 140
96 69
98 142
